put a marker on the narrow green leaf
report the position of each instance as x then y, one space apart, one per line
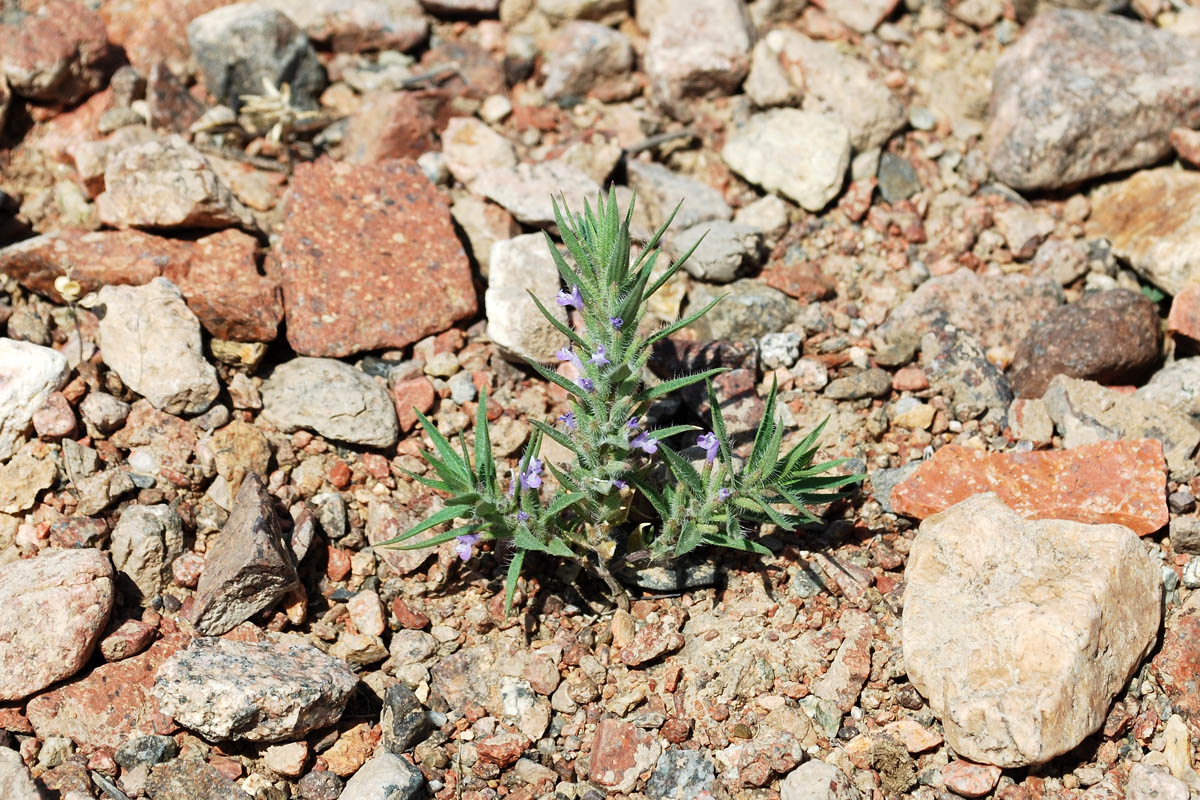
525 540
445 515
444 448
682 322
656 499
562 503
740 543
718 421
666 387
555 378
689 539
441 538
485 465
556 435
564 479
571 335
510 581
672 430
682 470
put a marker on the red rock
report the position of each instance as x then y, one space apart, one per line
651 642
620 752
221 285
1185 312
804 281
857 199
186 569
130 638
388 125
1187 144
676 730
101 258
1120 481
412 393
407 617
970 780
110 705
172 107
542 675
338 566
11 719
57 54
55 419
170 438
368 259
502 749
231 768
153 31
352 749
910 379
339 474
1177 668
55 139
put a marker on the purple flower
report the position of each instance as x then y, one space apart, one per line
598 357
588 384
531 478
522 516
567 354
710 444
646 442
724 494
568 419
464 546
620 484
633 423
617 322
571 298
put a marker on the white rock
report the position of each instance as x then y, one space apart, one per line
802 155
727 251
144 543
385 776
332 398
16 782
697 48
1152 783
861 15
151 339
521 265
528 190
583 55
1020 632
661 191
816 780
471 147
28 374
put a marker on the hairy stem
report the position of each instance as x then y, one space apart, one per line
614 586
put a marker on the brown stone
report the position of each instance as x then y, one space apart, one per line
352 749
388 125
222 286
1184 317
368 259
1187 144
100 258
111 704
502 749
803 281
651 642
57 54
970 780
410 394
1176 667
192 778
620 752
130 638
1122 482
407 617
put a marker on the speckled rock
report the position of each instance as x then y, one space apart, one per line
1082 95
697 48
680 775
1176 386
388 125
1152 219
386 776
996 310
955 363
620 753
98 257
248 568
57 54
802 155
332 398
240 45
816 780
519 266
750 310
256 691
191 779
167 183
528 190
1086 412
661 190
582 57
145 541
1062 613
222 287
151 339
727 251
28 374
15 778
1103 483
53 609
357 25
386 225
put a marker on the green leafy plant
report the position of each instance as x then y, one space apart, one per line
626 496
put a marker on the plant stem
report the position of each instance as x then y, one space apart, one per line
614 586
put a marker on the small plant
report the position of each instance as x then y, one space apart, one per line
626 496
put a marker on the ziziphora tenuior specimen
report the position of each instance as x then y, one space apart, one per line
615 503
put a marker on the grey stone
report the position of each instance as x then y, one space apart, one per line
1176 386
403 720
561 10
727 251
779 349
582 55
1154 783
151 749
256 691
661 190
1185 534
103 411
248 568
873 382
884 480
1082 95
519 266
697 48
386 776
750 309
1085 412
462 388
16 782
1064 611
28 374
528 190
151 339
816 780
953 359
144 543
322 785
680 775
332 399
800 154
897 179
237 47
187 778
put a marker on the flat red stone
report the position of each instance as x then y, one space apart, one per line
368 259
1185 312
1122 482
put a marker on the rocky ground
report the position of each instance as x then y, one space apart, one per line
962 232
